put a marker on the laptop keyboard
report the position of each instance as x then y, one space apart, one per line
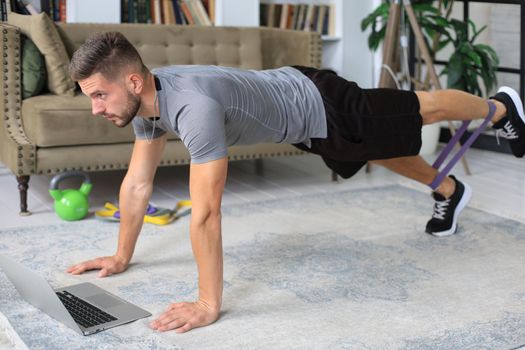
82 312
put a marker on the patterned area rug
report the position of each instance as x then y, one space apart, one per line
350 270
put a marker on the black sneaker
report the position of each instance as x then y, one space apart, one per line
446 211
512 127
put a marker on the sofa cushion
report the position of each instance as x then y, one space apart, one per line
51 120
161 45
42 31
33 69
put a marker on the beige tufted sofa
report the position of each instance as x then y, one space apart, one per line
48 134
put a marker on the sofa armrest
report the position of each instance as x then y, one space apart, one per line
16 151
289 47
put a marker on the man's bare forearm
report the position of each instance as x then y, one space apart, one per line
207 247
133 201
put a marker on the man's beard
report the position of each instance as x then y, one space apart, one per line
132 108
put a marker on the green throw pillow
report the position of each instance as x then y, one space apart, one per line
33 69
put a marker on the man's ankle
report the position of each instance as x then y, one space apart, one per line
447 187
501 111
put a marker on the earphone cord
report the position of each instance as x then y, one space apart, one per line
155 114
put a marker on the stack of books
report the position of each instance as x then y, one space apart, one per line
307 17
197 12
55 9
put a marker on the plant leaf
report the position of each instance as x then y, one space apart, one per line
475 35
473 55
454 71
424 8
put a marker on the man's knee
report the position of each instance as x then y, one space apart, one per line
430 106
389 162
382 162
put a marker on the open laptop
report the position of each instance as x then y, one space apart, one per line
84 307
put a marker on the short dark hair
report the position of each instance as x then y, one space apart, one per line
107 53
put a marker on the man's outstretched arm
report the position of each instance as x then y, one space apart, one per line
135 192
206 187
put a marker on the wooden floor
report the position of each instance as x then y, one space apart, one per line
498 183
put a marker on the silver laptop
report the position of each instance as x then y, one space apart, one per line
84 307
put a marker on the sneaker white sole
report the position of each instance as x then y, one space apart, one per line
515 99
461 205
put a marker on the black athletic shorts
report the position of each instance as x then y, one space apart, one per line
363 124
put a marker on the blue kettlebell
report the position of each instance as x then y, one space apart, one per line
71 204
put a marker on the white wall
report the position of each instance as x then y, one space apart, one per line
237 13
358 61
93 11
504 31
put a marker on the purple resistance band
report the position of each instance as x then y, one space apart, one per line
448 148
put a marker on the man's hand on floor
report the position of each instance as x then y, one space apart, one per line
108 265
185 316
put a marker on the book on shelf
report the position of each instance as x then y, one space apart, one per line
179 16
55 9
200 10
283 16
3 10
277 15
157 13
143 11
136 11
299 16
151 9
124 11
308 18
186 12
296 11
331 21
62 10
209 6
170 12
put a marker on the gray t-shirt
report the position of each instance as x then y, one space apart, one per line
211 108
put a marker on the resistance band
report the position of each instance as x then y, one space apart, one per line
444 154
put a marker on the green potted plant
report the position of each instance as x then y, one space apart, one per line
468 64
469 61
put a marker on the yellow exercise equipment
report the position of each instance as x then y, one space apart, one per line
153 215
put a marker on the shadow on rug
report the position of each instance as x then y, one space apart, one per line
348 270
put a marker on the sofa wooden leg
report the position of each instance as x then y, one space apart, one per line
23 182
334 176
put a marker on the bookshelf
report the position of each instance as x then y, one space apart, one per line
332 42
127 11
345 51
